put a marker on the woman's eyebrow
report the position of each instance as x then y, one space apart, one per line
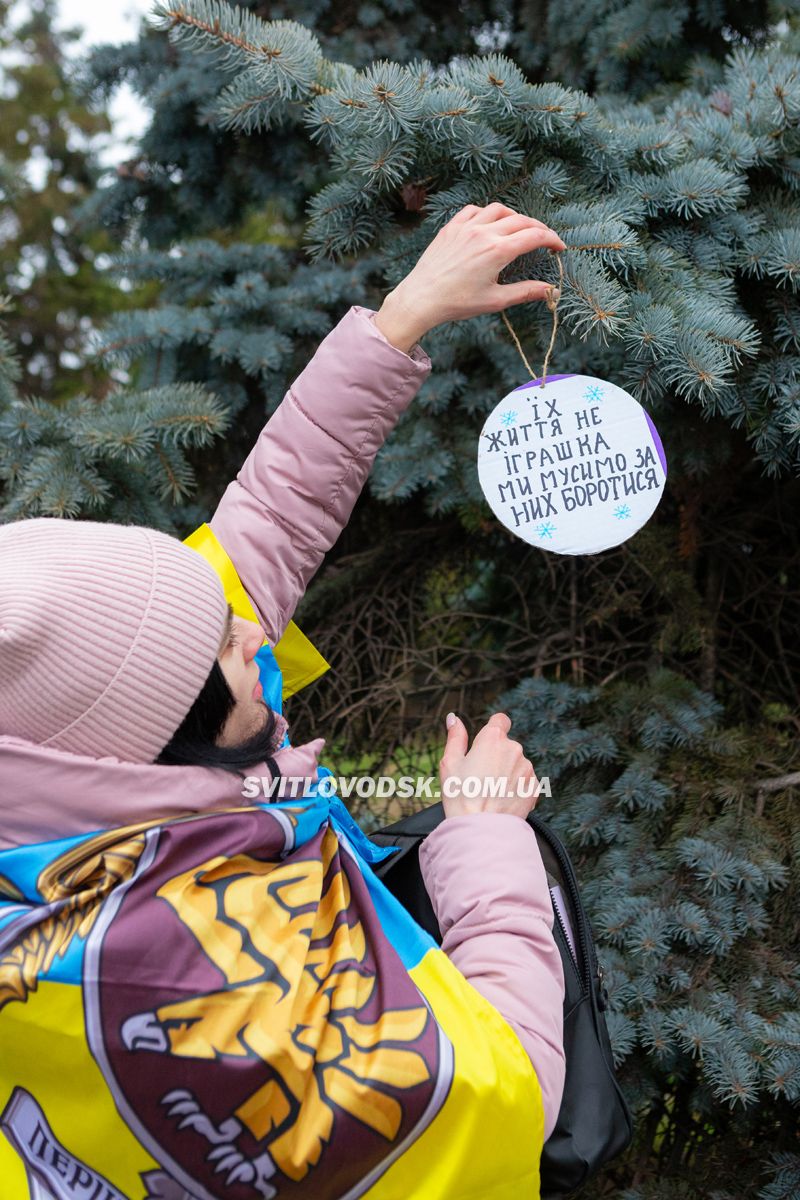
227 631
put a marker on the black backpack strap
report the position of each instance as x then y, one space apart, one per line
594 1124
418 825
401 871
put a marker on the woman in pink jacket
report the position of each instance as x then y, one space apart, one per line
126 685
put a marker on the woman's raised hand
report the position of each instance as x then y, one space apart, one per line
495 768
456 276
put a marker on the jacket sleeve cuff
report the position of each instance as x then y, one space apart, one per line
416 353
471 861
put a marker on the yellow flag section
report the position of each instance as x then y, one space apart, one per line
486 1142
59 1116
300 662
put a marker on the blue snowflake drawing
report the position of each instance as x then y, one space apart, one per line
622 512
593 394
508 418
546 529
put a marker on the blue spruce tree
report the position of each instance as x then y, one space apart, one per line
291 169
679 212
683 858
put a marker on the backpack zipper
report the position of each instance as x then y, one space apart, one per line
568 941
566 871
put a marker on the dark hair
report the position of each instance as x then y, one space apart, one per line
193 743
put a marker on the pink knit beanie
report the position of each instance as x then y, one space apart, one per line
107 635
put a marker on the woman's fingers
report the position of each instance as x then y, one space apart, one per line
456 276
494 758
457 743
503 220
527 240
493 212
516 221
464 214
526 292
499 720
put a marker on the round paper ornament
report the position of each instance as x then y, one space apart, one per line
576 466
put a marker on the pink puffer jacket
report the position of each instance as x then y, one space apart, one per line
286 508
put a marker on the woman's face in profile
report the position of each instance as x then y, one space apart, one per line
237 660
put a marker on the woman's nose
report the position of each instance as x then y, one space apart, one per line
254 640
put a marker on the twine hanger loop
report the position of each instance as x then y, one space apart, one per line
552 297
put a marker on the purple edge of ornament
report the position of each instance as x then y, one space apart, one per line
653 430
657 440
536 382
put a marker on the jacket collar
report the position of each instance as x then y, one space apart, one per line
48 794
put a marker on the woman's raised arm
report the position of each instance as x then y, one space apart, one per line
298 486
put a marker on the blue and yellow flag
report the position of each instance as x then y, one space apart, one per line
293 662
232 1006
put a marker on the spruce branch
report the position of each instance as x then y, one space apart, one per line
286 53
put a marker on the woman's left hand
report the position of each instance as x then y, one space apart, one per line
456 276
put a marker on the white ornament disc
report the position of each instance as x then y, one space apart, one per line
576 466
